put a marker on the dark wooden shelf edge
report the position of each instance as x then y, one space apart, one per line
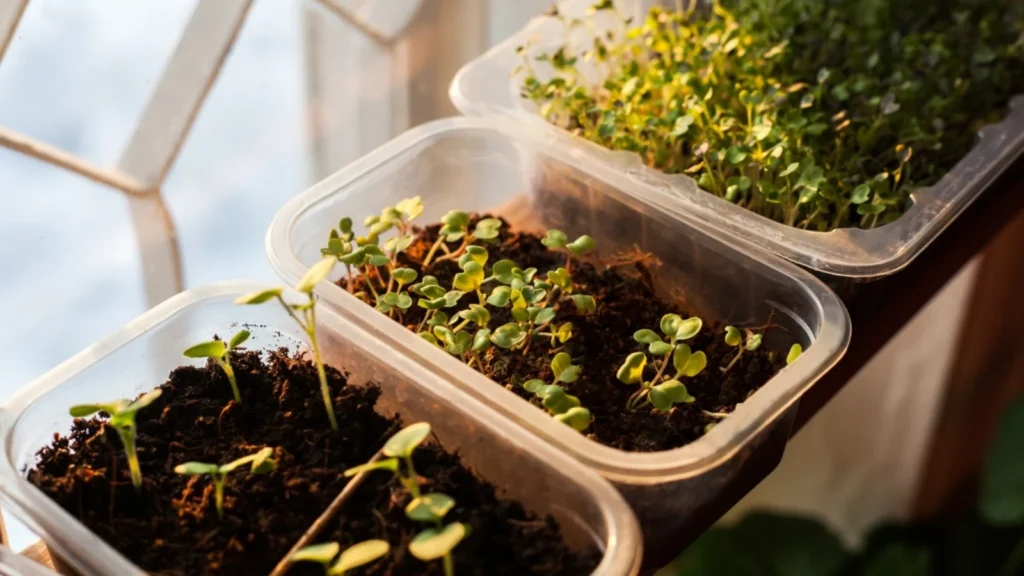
875 323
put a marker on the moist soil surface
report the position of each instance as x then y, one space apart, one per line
627 301
171 526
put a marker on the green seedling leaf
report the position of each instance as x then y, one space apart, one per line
581 245
861 194
754 342
670 325
259 297
646 336
534 385
476 314
195 469
532 295
632 370
314 275
794 352
429 338
140 403
319 553
471 277
429 507
585 304
675 392
434 543
360 554
556 401
578 418
238 339
660 348
487 229
345 225
733 336
504 271
212 349
481 340
476 254
680 357
500 296
410 208
560 277
404 275
406 440
542 315
688 328
454 225
564 333
563 368
399 243
389 464
507 336
695 365
555 239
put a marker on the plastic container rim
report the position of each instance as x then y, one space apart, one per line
997 147
57 527
717 446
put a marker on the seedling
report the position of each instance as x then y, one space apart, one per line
122 418
664 394
440 539
354 556
564 407
434 298
317 273
735 339
556 239
794 352
742 98
455 227
221 353
259 463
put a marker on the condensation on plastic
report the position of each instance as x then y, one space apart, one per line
488 87
483 166
140 355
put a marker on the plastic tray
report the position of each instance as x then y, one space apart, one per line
486 87
479 165
140 355
12 564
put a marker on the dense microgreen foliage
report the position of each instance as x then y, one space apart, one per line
734 338
220 352
307 309
354 556
259 463
563 406
438 540
817 114
122 419
663 391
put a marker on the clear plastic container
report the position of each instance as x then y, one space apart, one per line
487 87
140 355
484 166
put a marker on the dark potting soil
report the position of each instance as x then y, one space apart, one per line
171 526
627 301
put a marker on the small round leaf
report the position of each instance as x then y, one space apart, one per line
321 553
314 275
688 328
360 554
406 440
632 370
578 418
429 507
646 336
434 543
660 348
695 365
212 349
794 352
